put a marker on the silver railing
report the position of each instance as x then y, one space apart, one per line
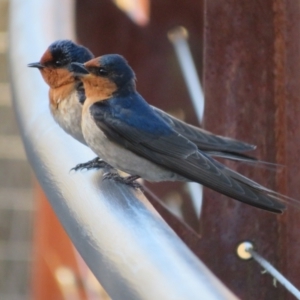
126 244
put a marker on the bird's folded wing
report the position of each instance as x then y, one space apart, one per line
205 140
175 152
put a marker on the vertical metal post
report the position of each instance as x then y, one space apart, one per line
251 76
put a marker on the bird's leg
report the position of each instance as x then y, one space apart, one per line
96 163
129 180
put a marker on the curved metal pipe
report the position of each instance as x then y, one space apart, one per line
129 248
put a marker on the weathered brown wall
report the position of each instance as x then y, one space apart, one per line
291 136
252 82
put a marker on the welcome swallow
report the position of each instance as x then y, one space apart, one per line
130 135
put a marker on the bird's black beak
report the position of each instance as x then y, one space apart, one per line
36 65
78 69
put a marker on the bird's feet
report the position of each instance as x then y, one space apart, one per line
129 180
96 163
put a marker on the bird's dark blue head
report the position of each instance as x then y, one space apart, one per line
113 67
55 62
63 52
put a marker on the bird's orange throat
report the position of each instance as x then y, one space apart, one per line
59 94
61 83
56 78
98 88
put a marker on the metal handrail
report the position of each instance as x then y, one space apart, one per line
129 248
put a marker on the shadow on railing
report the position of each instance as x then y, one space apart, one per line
126 244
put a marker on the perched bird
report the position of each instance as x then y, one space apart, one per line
132 136
66 91
66 95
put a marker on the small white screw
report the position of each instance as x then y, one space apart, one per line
242 250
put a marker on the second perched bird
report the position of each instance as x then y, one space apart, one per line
130 135
66 91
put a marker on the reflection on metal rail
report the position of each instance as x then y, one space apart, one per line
129 248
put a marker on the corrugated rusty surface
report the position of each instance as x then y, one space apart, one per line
292 137
251 72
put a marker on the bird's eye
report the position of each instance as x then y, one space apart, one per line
102 72
58 63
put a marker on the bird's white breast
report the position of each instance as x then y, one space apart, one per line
67 114
119 157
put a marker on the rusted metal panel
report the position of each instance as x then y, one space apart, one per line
251 72
292 137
